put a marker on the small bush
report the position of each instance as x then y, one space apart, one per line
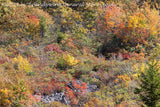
22 64
66 61
5 97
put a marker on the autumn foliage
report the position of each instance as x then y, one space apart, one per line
90 52
75 92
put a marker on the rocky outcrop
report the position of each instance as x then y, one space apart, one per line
61 96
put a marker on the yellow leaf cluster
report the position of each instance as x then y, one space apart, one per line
145 18
5 97
23 64
139 68
137 20
69 60
153 21
125 78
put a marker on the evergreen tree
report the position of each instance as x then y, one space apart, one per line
149 88
43 26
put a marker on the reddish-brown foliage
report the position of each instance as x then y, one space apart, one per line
2 60
34 19
77 91
50 86
53 47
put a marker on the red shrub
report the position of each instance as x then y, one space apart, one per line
126 56
49 87
34 19
77 91
2 60
53 47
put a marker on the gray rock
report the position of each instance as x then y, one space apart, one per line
61 96
91 88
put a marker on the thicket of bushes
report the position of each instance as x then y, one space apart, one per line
42 49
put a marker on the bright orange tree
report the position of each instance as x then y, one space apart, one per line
130 27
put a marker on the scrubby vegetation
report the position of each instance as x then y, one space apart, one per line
92 53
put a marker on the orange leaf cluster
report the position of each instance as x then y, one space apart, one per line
34 19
